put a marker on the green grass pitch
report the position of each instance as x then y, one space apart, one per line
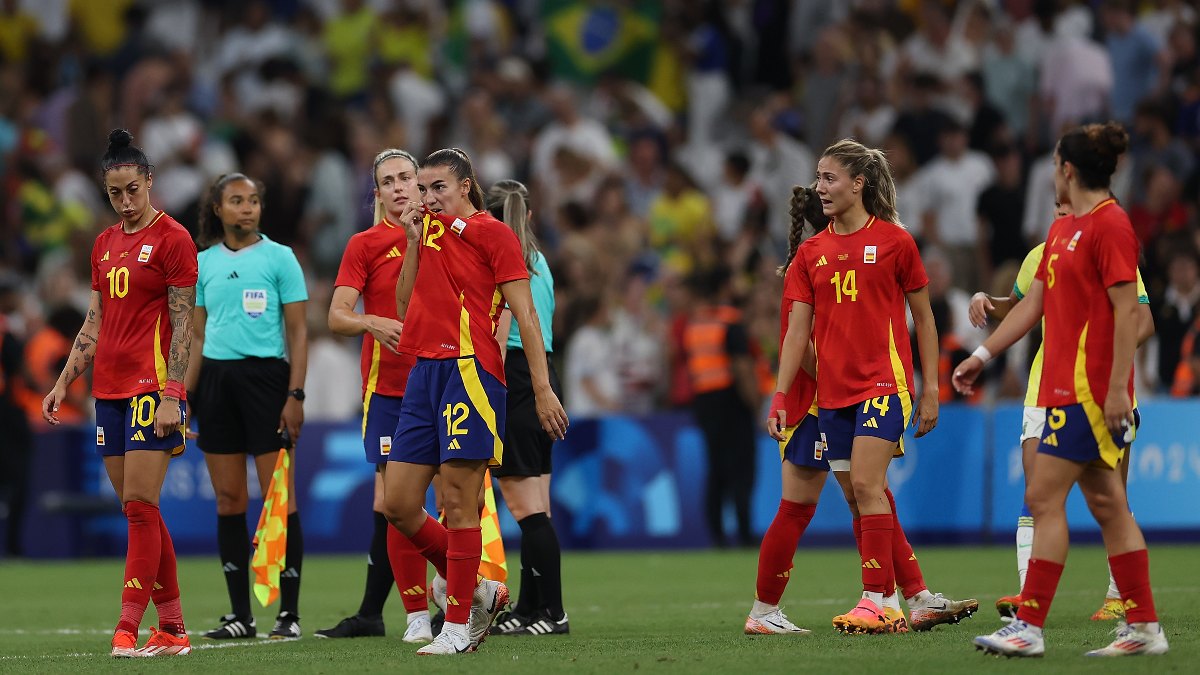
669 612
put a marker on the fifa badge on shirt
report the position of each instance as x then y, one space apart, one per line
99 435
869 254
254 303
458 226
1075 240
385 445
144 256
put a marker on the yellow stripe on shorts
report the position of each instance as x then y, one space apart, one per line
474 386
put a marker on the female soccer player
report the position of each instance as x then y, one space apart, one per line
247 377
1085 288
370 267
138 332
805 467
864 410
984 307
525 475
452 419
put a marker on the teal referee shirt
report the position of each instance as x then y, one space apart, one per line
244 292
541 285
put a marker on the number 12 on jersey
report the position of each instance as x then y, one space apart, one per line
845 285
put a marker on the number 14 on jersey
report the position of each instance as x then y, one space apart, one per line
845 286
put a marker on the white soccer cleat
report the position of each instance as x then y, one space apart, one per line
437 592
773 623
419 631
489 599
1016 639
937 609
1133 639
452 640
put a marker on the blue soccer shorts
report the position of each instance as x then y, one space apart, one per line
452 409
125 424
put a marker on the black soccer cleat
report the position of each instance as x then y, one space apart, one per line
287 627
355 626
233 627
544 624
510 623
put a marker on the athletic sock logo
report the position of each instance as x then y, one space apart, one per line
450 600
414 591
871 564
134 583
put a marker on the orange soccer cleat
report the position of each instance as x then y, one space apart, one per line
165 644
866 617
124 645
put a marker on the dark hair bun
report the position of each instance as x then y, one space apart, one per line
1110 138
119 138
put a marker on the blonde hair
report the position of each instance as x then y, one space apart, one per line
508 201
879 188
382 157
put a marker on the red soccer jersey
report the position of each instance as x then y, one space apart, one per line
132 272
856 284
1083 258
456 301
371 266
801 399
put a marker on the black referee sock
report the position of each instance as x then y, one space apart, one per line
233 546
528 601
541 556
289 579
379 572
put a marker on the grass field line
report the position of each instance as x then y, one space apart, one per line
71 631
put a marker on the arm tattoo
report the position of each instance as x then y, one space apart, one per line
85 347
180 303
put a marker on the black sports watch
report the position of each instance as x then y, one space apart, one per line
297 394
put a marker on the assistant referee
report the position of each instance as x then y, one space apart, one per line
250 314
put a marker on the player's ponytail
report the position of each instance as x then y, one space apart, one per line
460 165
382 157
805 209
1093 150
508 201
879 188
122 152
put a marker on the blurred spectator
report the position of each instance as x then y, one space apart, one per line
18 29
725 398
681 221
644 181
1040 200
174 138
709 51
1161 211
1139 61
1008 78
592 386
1075 81
910 196
637 344
871 116
778 161
823 77
45 356
1000 208
585 137
1177 310
952 183
14 429
348 38
90 118
739 197
935 48
1153 145
988 128
920 120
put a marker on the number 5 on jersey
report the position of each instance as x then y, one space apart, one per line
845 285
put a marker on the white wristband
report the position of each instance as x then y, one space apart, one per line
982 354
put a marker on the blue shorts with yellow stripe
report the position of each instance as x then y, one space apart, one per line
381 414
883 417
1078 433
452 409
125 424
803 445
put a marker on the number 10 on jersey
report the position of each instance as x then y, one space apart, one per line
845 285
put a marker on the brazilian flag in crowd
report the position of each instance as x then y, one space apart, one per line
585 39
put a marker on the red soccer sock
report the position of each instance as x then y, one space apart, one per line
877 571
409 568
1131 571
430 541
462 562
778 547
141 563
1041 583
907 569
166 586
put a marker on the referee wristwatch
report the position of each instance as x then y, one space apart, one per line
297 394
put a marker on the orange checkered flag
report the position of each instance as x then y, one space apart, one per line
270 537
493 564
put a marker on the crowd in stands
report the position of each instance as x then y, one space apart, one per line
647 173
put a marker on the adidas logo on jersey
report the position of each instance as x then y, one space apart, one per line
105 258
822 261
394 253
871 424
138 436
232 275
454 445
871 564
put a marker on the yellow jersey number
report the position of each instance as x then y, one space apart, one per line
433 232
455 415
845 285
880 403
143 411
1050 270
118 282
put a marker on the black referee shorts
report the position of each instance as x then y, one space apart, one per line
237 404
526 445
